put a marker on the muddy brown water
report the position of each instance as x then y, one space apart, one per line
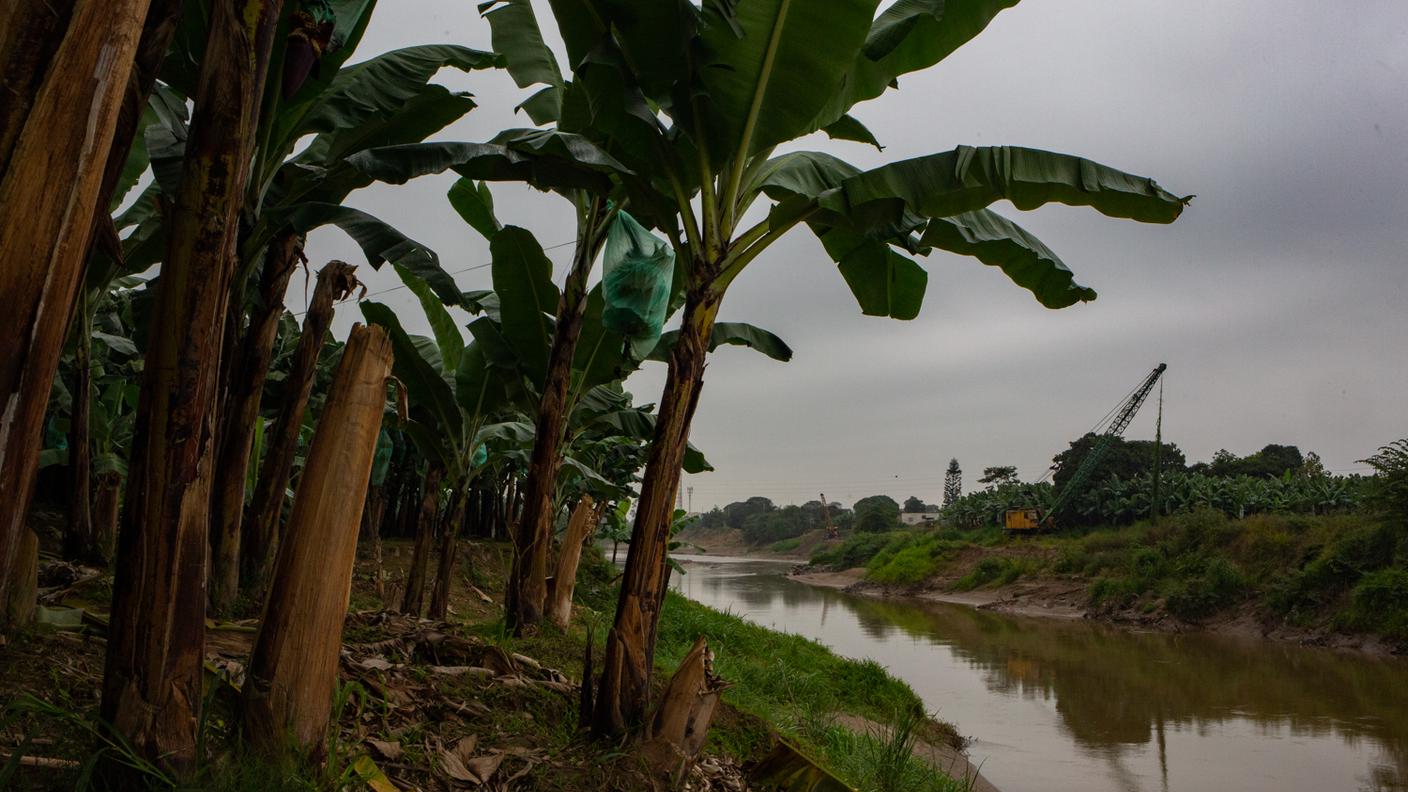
1055 705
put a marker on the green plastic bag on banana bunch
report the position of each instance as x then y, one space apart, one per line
637 271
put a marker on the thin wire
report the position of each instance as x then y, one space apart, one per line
304 312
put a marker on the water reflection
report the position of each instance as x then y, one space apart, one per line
1077 705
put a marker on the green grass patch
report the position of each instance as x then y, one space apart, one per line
797 685
910 557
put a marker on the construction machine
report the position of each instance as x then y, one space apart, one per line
831 532
1028 520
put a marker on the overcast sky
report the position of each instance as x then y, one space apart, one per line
1277 300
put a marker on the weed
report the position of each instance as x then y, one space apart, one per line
993 569
1220 584
1379 604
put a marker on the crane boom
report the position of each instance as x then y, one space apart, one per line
1116 428
831 532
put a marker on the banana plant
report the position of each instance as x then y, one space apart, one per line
557 343
453 392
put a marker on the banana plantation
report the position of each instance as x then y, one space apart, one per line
1122 501
223 465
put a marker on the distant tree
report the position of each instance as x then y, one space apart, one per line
873 521
953 483
1312 467
994 477
913 505
876 513
884 503
776 525
1124 458
1272 461
736 514
712 519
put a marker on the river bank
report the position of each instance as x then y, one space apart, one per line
1067 599
1325 582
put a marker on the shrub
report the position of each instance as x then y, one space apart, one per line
1118 592
1220 584
1099 562
1070 560
1380 604
854 552
1148 565
1106 541
1270 542
993 569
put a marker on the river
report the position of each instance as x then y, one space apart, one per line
1055 705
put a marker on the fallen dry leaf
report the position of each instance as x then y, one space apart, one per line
485 766
464 748
523 771
387 749
459 670
455 769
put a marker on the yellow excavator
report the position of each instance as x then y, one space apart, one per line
1028 520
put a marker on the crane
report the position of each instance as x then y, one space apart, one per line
1030 520
831 532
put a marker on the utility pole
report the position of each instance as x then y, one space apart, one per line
1158 456
690 491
